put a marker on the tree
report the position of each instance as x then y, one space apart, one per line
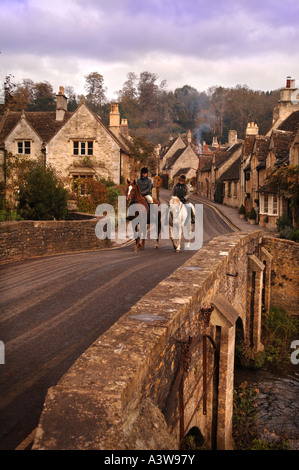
41 196
142 154
149 94
129 89
128 100
94 85
43 97
187 105
73 99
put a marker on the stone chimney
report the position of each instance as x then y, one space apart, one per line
189 137
61 104
288 99
114 119
252 129
124 128
232 137
215 142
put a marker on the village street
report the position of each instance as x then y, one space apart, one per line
54 308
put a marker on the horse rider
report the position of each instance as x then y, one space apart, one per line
145 184
182 192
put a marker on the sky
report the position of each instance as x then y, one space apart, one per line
201 43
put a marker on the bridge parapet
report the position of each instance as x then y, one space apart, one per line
167 364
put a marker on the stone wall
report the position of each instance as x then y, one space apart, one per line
28 239
285 273
123 392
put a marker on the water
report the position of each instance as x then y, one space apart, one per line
278 407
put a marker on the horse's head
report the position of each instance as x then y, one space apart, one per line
132 190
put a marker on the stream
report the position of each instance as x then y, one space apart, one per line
278 406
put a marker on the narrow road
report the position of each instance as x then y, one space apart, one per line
54 308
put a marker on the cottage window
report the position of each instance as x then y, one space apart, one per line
275 205
79 184
24 147
269 204
83 147
266 203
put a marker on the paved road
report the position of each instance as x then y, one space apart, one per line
53 308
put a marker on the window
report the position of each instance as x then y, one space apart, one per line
235 189
275 205
83 147
269 204
79 185
24 147
266 203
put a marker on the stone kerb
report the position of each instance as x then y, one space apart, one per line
112 397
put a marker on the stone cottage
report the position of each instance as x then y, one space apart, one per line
179 157
76 144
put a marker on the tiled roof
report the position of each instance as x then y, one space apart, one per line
43 122
46 126
248 145
222 155
291 123
205 162
233 172
281 145
171 160
261 147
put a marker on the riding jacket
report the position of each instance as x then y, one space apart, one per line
181 191
145 185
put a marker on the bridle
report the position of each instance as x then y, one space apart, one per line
131 199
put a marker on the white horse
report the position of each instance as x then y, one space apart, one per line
179 221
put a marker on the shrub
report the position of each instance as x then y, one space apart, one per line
248 357
244 416
278 328
218 196
114 192
95 193
251 214
242 209
294 235
286 233
41 195
283 221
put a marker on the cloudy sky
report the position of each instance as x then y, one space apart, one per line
195 42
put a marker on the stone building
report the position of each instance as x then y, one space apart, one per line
283 151
213 168
244 166
179 157
263 155
76 144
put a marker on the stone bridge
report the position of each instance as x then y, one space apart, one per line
167 365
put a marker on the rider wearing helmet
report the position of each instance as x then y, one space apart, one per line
145 184
182 192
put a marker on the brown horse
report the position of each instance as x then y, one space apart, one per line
133 196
